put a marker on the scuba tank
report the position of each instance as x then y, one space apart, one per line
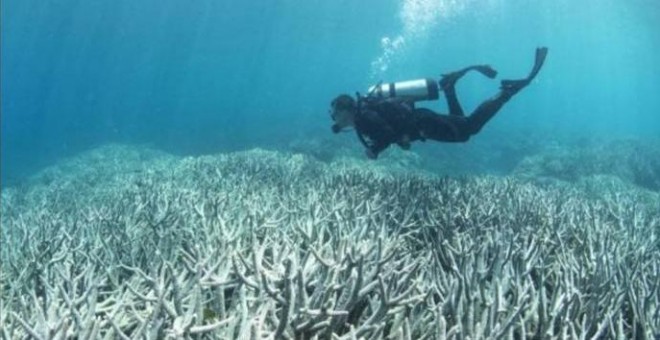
411 90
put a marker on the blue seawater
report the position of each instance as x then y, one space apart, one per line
207 76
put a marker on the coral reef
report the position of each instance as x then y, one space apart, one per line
268 245
634 161
487 153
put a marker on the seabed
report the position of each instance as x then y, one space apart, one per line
130 243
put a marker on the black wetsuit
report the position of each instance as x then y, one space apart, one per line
382 123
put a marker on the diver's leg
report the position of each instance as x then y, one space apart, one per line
484 112
448 85
455 108
509 88
442 128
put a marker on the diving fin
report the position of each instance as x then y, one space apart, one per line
541 53
450 79
486 70
517 85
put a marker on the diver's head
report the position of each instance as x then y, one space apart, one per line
343 110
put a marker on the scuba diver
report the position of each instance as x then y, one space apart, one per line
388 115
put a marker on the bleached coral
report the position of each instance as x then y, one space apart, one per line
265 245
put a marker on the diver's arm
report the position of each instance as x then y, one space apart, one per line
378 147
379 132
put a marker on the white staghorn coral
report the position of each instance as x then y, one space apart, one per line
264 245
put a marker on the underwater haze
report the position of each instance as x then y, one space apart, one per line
170 171
209 76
